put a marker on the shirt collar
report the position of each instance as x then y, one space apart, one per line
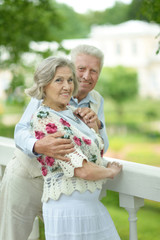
87 99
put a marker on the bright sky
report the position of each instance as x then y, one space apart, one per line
82 6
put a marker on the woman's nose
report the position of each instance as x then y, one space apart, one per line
66 85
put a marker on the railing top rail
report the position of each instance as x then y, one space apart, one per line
136 179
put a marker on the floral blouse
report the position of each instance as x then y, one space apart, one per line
59 175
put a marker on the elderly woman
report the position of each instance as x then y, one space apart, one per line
71 209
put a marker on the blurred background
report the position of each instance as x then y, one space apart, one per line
128 33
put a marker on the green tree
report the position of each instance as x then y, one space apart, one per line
74 24
15 92
114 15
118 83
151 9
135 10
23 21
145 10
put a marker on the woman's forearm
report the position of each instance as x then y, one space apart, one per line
93 172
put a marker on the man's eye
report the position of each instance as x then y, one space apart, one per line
81 69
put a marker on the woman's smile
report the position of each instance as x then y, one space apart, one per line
59 91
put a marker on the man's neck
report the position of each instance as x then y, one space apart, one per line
80 96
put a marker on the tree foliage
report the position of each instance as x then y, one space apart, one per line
147 10
150 9
23 21
74 24
118 83
15 92
114 15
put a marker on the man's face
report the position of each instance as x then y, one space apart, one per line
87 71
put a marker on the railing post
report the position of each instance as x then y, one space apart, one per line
131 204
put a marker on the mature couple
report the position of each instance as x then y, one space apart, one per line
61 136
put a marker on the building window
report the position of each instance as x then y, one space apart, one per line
118 49
134 48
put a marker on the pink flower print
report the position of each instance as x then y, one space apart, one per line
102 151
77 141
39 134
49 161
51 128
65 123
44 171
41 160
87 141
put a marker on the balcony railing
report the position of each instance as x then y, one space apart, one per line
136 183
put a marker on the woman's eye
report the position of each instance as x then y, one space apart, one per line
70 80
58 80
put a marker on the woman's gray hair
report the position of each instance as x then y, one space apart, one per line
45 74
88 50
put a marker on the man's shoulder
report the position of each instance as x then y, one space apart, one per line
95 94
98 101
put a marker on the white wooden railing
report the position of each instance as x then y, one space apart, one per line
136 183
7 147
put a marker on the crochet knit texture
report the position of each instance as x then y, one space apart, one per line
59 175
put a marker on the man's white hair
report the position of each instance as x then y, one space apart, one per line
88 50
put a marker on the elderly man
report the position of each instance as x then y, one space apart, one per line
21 191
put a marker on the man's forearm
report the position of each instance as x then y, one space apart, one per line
24 141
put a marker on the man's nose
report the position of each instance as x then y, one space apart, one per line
86 75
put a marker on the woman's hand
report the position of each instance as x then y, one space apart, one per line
115 168
89 117
93 172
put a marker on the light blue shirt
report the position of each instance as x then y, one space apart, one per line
25 141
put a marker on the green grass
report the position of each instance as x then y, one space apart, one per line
148 218
144 154
7 131
41 230
11 108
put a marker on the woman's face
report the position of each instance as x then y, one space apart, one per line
59 91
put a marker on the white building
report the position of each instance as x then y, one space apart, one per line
132 44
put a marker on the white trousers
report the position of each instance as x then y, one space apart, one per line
20 202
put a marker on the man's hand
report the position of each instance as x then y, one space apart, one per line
54 146
89 117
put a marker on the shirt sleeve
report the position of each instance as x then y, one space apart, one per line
23 138
103 131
